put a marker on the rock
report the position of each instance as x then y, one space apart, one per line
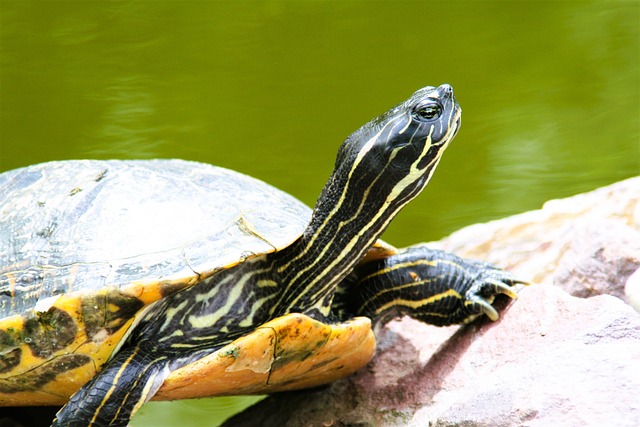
587 244
632 289
566 353
599 259
552 359
571 363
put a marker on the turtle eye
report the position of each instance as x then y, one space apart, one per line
428 111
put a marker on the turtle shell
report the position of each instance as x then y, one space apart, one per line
86 245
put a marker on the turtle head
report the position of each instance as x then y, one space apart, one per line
403 146
379 169
388 161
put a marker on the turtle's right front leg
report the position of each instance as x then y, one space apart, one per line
430 285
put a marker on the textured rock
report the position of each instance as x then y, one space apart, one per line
600 258
558 356
571 363
587 244
632 289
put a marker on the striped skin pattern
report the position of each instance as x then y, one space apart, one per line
429 285
379 169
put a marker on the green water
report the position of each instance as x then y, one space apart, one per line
550 93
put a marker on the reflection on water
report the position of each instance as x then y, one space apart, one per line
550 94
126 125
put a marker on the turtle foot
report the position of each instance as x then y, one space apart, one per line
489 283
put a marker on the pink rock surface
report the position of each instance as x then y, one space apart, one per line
553 359
587 244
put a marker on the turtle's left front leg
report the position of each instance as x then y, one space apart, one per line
433 286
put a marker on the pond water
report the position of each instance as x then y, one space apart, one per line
550 93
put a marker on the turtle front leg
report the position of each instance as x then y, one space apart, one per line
430 285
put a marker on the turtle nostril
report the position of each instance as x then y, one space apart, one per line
446 89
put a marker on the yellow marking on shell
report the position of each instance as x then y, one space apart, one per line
56 392
112 307
14 323
149 291
419 303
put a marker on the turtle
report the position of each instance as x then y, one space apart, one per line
123 281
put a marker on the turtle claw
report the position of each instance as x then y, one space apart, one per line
502 288
485 308
489 284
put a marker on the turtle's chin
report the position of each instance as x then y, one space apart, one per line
457 121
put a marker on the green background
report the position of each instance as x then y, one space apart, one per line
550 93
